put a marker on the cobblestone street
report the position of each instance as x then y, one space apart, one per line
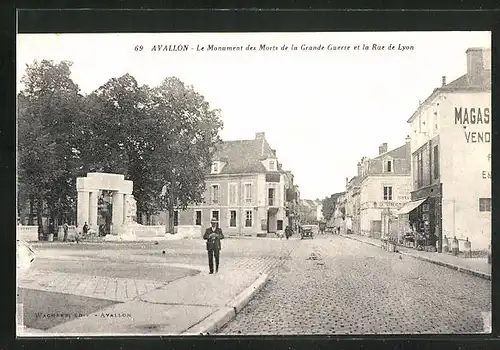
334 285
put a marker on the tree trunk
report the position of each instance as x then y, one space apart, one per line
51 220
31 215
171 219
39 212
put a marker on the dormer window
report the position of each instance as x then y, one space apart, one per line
272 165
215 167
388 166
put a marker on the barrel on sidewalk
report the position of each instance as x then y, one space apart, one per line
467 248
446 247
454 247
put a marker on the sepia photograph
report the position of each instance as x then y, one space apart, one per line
329 183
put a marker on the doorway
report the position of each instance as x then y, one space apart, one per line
272 221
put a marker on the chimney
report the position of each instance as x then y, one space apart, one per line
359 168
478 61
382 148
407 139
346 182
260 135
443 82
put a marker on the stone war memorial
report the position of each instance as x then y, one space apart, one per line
123 225
124 210
89 189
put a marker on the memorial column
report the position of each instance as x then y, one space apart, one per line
117 216
93 209
82 208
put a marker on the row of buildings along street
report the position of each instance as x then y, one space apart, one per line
438 183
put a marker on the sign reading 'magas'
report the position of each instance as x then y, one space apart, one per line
473 116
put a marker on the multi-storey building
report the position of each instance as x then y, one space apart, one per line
246 190
340 213
451 150
311 211
385 185
352 201
319 211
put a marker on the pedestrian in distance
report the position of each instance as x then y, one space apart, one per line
288 232
65 229
213 235
85 229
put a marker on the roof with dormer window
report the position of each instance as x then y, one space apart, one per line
244 156
396 153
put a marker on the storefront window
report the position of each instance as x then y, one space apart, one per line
484 204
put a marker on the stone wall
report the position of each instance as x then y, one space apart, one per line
27 233
190 231
148 231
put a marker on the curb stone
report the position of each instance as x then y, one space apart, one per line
212 323
220 318
440 263
244 297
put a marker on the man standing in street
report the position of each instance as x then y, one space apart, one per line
213 235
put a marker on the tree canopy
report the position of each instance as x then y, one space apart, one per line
329 205
162 138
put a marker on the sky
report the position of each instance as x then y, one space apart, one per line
322 110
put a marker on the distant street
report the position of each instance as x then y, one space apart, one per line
334 285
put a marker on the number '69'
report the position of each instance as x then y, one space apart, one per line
138 48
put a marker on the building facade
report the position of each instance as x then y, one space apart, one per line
246 191
319 212
451 152
385 186
352 202
340 214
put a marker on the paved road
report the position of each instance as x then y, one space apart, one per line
69 280
334 285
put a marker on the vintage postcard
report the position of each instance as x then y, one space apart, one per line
254 183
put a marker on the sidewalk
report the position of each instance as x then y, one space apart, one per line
473 266
192 305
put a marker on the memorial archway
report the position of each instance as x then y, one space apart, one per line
88 189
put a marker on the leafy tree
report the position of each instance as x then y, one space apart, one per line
328 207
47 114
187 138
161 138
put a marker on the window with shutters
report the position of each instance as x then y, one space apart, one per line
270 197
232 193
215 194
232 218
388 193
248 218
198 218
248 192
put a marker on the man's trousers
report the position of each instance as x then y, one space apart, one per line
211 254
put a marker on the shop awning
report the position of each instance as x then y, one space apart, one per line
410 206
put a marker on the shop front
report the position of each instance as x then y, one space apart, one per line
420 219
